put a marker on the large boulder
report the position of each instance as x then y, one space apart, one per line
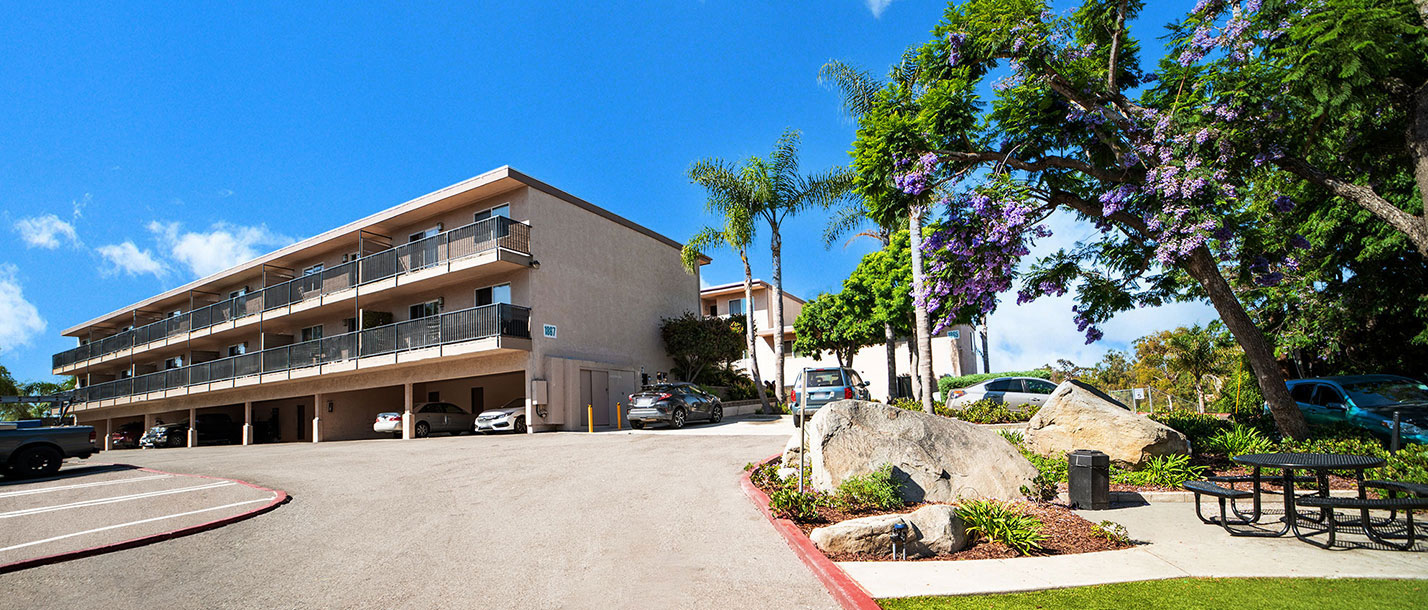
790 452
934 458
934 529
1078 416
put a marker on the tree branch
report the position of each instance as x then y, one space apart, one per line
1414 227
1116 46
1039 165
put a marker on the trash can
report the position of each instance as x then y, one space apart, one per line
1089 479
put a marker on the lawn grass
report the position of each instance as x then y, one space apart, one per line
1196 593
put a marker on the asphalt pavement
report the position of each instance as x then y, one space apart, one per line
555 520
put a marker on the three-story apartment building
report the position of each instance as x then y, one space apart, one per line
495 289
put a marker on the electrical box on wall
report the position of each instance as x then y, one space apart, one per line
539 394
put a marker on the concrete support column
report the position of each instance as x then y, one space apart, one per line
193 427
407 411
108 433
317 407
148 421
248 423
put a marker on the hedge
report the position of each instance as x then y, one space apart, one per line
948 383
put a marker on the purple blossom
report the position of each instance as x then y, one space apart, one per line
1283 204
1299 242
954 48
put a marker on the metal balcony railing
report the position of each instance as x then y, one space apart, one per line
461 242
495 320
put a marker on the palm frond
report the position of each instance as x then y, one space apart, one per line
857 86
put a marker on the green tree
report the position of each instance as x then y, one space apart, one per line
1196 352
695 342
839 323
735 202
780 191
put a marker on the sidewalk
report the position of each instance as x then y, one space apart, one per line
1176 545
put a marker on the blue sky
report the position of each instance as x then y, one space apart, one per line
146 145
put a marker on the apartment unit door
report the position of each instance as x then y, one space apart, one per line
595 396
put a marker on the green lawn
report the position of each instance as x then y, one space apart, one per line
1195 593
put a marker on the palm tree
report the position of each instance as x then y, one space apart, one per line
737 208
1196 352
778 192
860 90
850 217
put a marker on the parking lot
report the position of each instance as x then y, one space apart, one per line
555 520
88 507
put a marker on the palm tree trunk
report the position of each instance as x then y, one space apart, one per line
749 330
912 357
1200 396
1201 266
776 246
919 309
890 340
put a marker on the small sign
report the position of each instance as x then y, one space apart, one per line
550 331
955 334
1138 393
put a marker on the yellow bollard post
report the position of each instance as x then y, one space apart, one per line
590 417
619 416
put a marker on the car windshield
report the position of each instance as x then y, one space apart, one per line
825 379
519 401
1386 392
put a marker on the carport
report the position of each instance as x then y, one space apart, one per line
223 433
115 424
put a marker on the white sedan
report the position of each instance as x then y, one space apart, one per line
509 417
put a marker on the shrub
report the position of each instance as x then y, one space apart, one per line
1409 465
907 403
1197 427
1239 440
948 383
1111 531
987 411
1013 437
788 503
877 489
764 476
1160 471
1001 522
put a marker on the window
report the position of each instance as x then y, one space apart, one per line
238 350
503 210
1303 392
1328 395
1036 386
736 307
349 324
238 293
175 314
174 363
424 234
349 257
500 293
854 379
424 310
312 333
432 409
313 269
713 310
126 373
1004 385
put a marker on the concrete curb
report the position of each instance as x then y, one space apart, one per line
280 497
842 587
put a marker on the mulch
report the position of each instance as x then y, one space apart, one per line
1067 534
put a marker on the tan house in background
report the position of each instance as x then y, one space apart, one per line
500 287
952 350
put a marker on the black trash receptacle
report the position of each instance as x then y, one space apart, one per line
1089 479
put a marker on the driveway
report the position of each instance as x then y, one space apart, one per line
562 520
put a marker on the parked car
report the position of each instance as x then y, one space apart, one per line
1366 401
30 449
429 417
826 385
127 436
165 435
212 428
509 417
673 404
1017 392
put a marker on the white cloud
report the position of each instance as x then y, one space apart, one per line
128 259
45 231
79 205
19 320
221 247
877 7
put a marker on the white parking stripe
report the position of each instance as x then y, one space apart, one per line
111 500
140 522
27 492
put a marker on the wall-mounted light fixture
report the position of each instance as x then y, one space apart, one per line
329 406
535 264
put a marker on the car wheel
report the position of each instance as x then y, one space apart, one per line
36 462
716 415
796 422
422 429
637 425
520 426
175 442
676 421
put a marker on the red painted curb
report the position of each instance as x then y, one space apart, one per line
842 587
279 498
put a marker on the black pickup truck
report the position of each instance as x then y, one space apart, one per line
29 449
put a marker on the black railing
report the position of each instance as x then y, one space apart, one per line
481 236
495 320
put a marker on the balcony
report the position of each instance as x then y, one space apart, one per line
486 321
459 243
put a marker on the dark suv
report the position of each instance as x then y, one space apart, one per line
826 385
674 404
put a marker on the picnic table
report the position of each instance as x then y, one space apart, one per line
1381 530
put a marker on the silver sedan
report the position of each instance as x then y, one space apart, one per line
1016 392
428 417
